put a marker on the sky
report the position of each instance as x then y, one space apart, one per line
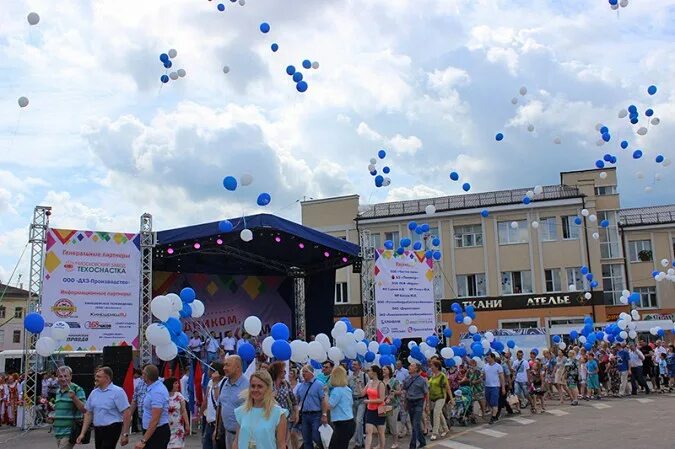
431 81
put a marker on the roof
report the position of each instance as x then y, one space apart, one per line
639 216
279 246
12 291
466 201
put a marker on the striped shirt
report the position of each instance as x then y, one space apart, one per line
65 411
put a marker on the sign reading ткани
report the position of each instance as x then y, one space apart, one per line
525 301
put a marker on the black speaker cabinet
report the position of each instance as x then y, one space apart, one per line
118 359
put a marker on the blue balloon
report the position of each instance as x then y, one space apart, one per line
225 226
613 161
264 27
297 77
577 220
187 295
447 332
611 338
634 120
275 47
388 244
290 70
613 2
604 223
607 157
651 90
574 335
385 349
280 332
655 273
34 323
433 341
174 326
624 144
397 342
606 137
632 108
412 225
315 364
466 186
584 270
459 319
379 180
459 351
163 57
599 335
470 308
400 250
437 255
405 242
511 344
429 254
425 227
484 213
589 276
499 137
168 64
476 337
381 154
660 332
419 230
370 356
264 199
281 350
604 130
164 79
477 349
535 350
588 346
386 170
449 363
498 345
186 311
247 352
221 7
526 200
182 340
456 307
417 246
301 86
588 321
556 339
454 176
659 158
436 241
594 284
637 154
373 173
307 64
230 183
634 297
649 112
599 164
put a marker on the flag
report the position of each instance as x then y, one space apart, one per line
167 370
197 380
190 393
128 384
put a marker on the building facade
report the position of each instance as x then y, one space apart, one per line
12 312
520 265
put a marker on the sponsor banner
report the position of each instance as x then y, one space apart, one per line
658 316
92 282
525 339
228 300
530 301
404 294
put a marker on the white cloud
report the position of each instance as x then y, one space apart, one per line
444 80
413 193
402 144
364 130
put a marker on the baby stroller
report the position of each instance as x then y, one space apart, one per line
462 411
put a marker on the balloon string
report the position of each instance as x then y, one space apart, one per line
191 354
16 128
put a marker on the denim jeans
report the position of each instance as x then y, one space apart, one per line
359 414
415 410
310 430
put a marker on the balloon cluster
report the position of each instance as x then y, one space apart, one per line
165 59
669 274
276 345
46 345
614 4
297 76
423 231
454 176
230 184
221 6
380 180
585 271
167 336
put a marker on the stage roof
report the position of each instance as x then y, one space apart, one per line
279 247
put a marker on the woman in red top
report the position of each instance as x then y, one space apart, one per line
376 392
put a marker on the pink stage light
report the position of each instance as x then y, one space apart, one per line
197 245
170 250
277 239
219 241
301 245
326 254
344 259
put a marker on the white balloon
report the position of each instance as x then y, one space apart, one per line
535 224
523 90
639 174
412 344
458 360
246 235
157 335
361 348
359 334
447 353
600 142
181 73
226 69
582 339
429 353
175 314
655 121
653 331
473 328
242 2
371 167
373 161
316 350
557 141
45 346
635 314
175 301
160 306
373 347
430 209
623 3
529 194
622 325
246 179
340 327
598 126
530 127
299 351
267 346
603 175
571 288
538 190
584 212
664 262
424 347
514 100
23 102
625 292
344 341
198 308
623 300
411 359
623 113
173 75
335 354
648 189
489 336
315 65
562 345
172 53
596 236
33 18
350 351
592 218
324 340
514 225
166 352
671 271
614 6
253 325
486 344
657 176
467 320
386 181
632 334
642 131
60 330
588 295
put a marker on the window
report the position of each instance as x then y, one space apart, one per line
393 236
647 296
605 190
341 293
468 236
519 325
514 282
2 312
471 285
376 240
609 237
612 282
574 277
553 280
508 234
570 229
18 312
433 232
640 250
547 230
16 337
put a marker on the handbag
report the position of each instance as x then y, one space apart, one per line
76 430
384 410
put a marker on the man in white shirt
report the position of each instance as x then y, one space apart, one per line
228 343
635 359
521 384
195 344
212 346
210 406
401 373
494 384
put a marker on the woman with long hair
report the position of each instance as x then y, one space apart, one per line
375 390
394 394
283 394
439 389
262 422
179 424
341 404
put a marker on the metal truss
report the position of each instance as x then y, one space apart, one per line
148 240
438 296
37 239
299 295
368 284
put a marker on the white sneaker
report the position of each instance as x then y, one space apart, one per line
433 437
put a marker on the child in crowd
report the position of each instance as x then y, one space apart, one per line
663 372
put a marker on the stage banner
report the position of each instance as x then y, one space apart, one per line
228 300
404 294
92 282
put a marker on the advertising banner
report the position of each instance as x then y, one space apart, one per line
404 294
92 282
228 300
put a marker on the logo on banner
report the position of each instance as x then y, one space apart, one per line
64 308
97 325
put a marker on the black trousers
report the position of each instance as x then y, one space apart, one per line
503 403
342 433
105 437
637 377
134 421
160 438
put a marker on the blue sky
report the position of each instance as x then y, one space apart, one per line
431 81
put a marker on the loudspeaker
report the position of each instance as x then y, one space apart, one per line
81 365
86 381
118 359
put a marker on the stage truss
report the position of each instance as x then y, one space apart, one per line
438 295
148 240
299 295
37 239
368 284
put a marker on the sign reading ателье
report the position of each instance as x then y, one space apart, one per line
530 301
